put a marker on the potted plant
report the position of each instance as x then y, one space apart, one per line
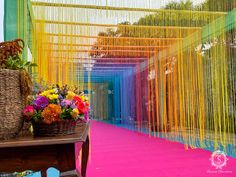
56 111
15 86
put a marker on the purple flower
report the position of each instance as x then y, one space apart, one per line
60 97
40 102
73 106
66 103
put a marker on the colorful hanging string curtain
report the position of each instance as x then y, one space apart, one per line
196 90
167 72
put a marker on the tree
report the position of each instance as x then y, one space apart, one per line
187 5
218 5
112 38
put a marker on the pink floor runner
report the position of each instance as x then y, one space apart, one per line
119 152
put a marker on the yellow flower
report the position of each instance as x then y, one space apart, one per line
52 91
74 113
45 93
82 98
52 96
48 92
70 95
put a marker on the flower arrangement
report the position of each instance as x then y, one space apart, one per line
55 105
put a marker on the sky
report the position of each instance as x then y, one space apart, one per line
121 3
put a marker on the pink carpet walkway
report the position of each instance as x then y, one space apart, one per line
118 152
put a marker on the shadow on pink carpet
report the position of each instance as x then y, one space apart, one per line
119 152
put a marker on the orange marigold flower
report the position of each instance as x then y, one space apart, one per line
51 113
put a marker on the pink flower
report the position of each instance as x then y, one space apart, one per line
66 103
86 116
28 111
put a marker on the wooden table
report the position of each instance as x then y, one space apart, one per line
40 153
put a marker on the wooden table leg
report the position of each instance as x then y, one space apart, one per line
85 155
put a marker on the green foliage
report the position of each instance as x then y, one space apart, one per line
66 113
176 18
187 5
167 18
16 63
37 116
219 5
208 5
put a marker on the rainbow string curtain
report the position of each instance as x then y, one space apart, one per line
166 72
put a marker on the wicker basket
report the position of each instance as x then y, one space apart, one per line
60 128
80 126
11 103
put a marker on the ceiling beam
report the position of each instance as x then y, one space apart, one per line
96 7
